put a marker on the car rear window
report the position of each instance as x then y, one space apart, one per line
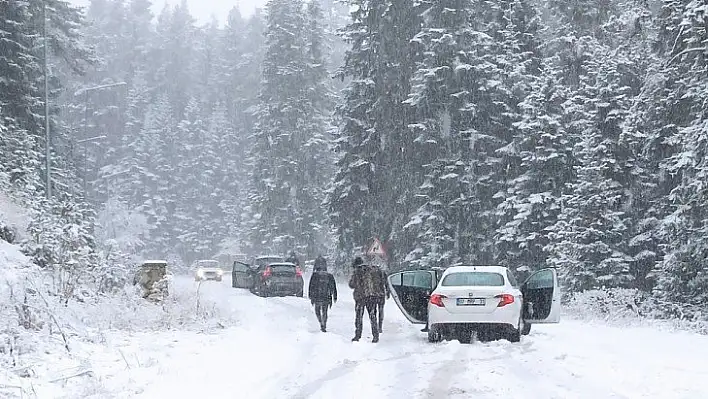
266 261
277 269
482 279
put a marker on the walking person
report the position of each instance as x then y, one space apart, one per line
322 291
365 282
384 293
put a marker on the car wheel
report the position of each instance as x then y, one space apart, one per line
464 335
434 334
487 334
514 334
526 329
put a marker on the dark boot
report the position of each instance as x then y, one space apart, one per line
358 323
376 339
324 318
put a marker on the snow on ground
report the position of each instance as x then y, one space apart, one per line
272 348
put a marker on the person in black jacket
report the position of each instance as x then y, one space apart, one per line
384 294
369 284
322 291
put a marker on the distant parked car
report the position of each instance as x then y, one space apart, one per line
278 279
207 270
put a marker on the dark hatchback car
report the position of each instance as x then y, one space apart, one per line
271 279
243 275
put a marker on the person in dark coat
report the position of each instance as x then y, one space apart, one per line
367 286
384 294
322 291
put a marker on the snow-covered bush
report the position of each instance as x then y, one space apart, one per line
620 306
609 305
125 309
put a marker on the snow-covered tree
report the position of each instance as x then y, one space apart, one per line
289 139
480 59
373 182
682 275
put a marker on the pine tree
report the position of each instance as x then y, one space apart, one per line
373 176
231 189
288 138
176 38
479 60
18 101
682 275
544 170
152 188
592 240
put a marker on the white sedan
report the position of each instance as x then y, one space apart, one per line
482 299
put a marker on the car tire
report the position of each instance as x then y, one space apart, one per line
464 335
434 334
526 330
514 334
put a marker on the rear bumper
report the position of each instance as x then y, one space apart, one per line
294 288
508 315
209 277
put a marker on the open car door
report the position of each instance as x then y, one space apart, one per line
241 275
542 297
411 291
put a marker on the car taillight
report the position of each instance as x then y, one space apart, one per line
267 272
298 271
437 300
505 299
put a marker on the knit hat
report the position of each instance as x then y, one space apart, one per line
320 264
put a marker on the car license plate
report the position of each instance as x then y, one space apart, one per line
471 301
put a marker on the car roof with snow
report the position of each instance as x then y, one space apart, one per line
469 268
269 257
282 264
155 261
207 263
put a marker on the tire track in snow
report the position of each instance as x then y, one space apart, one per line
346 367
340 371
440 385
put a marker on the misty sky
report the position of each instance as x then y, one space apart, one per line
203 9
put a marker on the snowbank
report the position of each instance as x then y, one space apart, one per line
625 308
13 216
48 345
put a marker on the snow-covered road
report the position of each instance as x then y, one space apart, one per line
277 351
